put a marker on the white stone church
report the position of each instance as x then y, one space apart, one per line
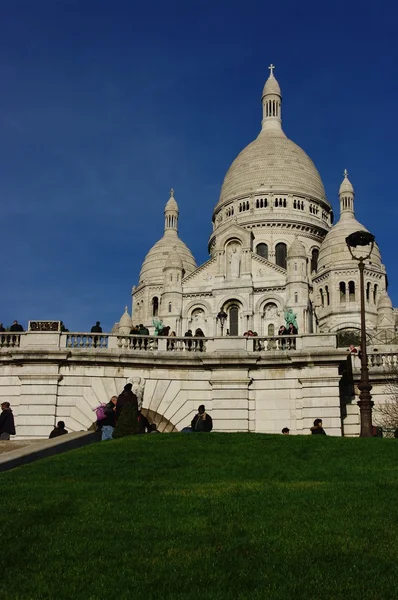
274 247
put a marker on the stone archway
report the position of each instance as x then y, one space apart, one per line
162 424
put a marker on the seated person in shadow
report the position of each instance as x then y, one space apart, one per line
201 423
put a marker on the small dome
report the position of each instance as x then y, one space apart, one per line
174 260
334 250
346 185
157 257
171 204
384 302
297 250
125 320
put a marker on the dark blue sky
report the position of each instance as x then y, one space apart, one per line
106 105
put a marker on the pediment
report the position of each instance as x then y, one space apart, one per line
266 273
234 232
203 275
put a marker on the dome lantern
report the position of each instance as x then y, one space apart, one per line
346 195
272 104
171 215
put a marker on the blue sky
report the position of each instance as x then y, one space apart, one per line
106 105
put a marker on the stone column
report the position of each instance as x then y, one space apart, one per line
37 414
230 400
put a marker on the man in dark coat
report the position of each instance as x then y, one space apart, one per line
188 334
1 328
318 429
58 430
126 413
142 330
202 421
7 426
96 328
126 397
16 326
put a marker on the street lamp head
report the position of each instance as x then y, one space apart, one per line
362 239
222 316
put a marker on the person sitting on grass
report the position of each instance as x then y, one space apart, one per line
58 430
202 421
318 429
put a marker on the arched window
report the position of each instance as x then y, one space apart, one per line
155 306
314 259
280 255
322 297
262 250
375 290
296 297
327 295
169 307
234 320
171 276
351 291
342 288
368 292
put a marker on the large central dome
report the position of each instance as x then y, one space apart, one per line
272 163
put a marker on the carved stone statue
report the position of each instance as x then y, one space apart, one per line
138 388
290 317
234 261
158 325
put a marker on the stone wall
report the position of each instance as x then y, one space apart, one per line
245 386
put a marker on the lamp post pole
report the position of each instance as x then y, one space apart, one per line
363 238
365 399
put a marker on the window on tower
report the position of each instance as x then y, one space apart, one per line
281 255
262 250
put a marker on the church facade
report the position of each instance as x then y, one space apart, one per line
274 246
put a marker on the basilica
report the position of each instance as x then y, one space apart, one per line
275 250
275 245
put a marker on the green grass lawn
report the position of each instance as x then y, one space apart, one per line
204 516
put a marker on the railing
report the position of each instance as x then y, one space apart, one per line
137 342
282 342
87 340
168 344
10 340
150 343
382 359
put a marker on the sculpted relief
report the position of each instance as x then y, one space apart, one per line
234 260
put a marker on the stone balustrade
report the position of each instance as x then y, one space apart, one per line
10 340
385 360
86 340
50 339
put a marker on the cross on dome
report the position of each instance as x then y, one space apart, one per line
345 174
271 70
172 192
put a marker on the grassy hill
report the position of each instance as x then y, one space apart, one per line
204 516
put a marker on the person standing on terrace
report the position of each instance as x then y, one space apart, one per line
96 328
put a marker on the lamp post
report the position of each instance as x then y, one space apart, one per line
363 239
222 317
